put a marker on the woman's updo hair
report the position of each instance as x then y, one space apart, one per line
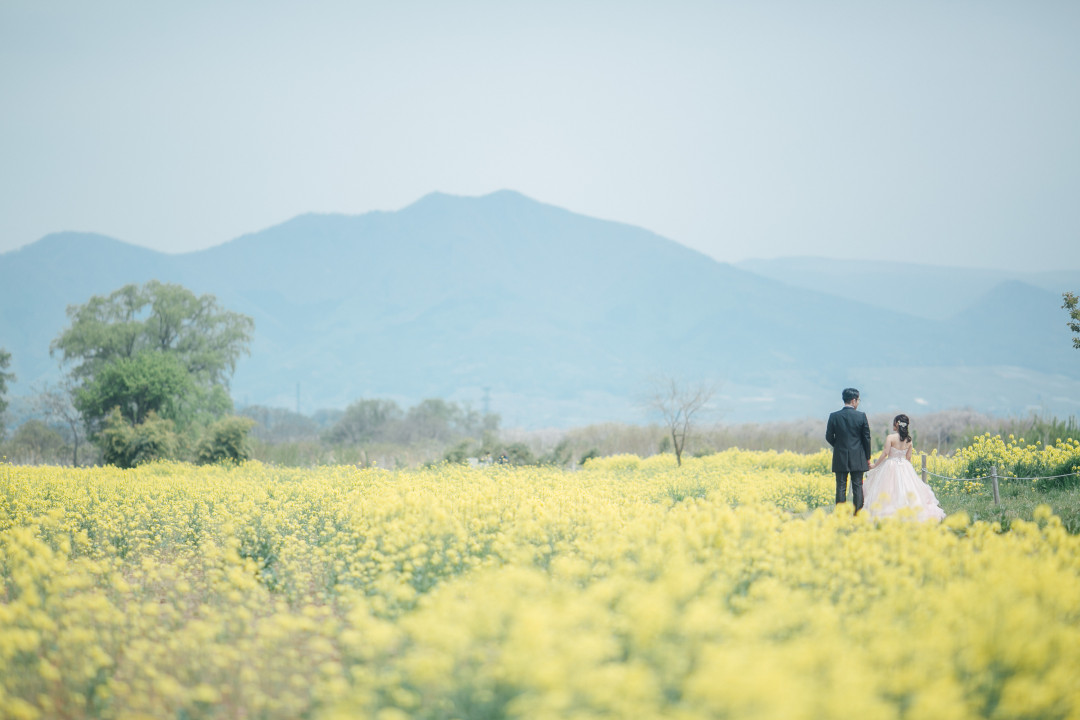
902 422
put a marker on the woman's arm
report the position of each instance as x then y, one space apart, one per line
911 447
884 453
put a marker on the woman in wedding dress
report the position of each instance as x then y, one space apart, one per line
892 483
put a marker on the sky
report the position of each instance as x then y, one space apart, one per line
943 132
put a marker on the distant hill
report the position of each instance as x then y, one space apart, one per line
895 282
554 318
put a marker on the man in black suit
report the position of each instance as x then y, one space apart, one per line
849 434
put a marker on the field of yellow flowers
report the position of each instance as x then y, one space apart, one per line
728 587
1052 465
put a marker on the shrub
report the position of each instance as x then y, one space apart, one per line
589 455
127 446
225 440
458 454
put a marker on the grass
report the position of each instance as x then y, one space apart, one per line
1018 502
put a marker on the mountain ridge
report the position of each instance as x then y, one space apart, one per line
555 317
933 292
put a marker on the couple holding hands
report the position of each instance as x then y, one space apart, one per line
891 483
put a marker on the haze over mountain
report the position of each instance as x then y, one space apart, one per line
556 319
899 282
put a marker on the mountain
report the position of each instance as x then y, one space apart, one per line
554 318
926 291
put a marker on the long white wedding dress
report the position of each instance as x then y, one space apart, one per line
894 485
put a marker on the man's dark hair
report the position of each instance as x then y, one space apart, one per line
850 394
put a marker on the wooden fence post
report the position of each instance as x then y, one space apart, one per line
924 468
994 484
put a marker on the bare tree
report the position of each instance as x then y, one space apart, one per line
56 402
677 403
5 378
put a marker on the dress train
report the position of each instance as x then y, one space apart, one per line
894 485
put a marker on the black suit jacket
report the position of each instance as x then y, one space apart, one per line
849 434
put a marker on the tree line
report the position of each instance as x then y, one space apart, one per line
146 373
145 376
375 431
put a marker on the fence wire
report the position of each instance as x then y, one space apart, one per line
946 477
1006 477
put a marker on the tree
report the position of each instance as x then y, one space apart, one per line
153 349
57 403
206 338
1072 304
149 382
5 378
677 404
431 419
36 443
365 421
435 419
277 425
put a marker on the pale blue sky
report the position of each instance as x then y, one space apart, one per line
943 132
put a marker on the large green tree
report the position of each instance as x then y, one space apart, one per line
152 348
148 382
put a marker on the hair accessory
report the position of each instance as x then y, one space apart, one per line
901 424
